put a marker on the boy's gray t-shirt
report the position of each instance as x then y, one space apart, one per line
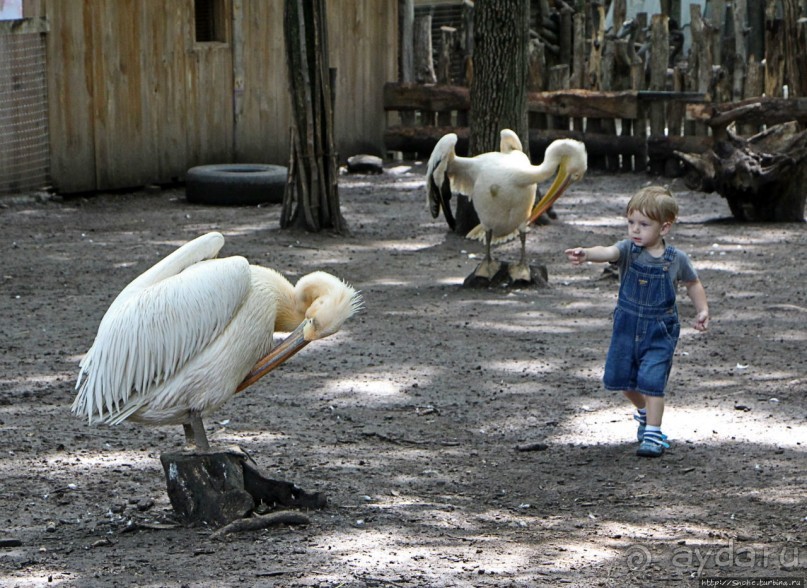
681 268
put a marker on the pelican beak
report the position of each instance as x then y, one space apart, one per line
556 190
285 350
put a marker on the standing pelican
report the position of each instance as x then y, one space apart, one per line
190 332
502 186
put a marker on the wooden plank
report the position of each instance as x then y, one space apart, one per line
70 101
363 49
163 93
584 103
659 58
439 97
117 78
263 131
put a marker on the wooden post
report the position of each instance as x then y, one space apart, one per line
424 65
594 82
794 30
756 30
753 87
717 16
579 79
406 63
675 120
620 13
444 118
700 69
638 78
558 80
536 80
774 52
406 58
444 59
566 32
659 57
740 52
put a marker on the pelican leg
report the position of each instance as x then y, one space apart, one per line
520 272
195 435
488 268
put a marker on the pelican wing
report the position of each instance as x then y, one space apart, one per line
149 335
509 141
438 184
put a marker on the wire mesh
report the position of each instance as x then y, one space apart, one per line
24 143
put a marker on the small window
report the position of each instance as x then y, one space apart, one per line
209 15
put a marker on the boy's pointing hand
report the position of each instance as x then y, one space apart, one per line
576 255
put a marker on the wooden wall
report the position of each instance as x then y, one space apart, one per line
134 100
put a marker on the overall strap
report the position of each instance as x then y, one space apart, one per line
669 254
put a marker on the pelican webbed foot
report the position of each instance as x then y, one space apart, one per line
487 269
520 274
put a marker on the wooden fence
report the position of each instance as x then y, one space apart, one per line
138 91
631 93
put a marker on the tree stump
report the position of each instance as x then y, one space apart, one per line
762 177
218 487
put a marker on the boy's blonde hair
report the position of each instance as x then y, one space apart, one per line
656 203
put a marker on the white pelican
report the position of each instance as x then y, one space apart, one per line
190 332
502 186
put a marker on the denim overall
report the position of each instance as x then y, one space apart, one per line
646 328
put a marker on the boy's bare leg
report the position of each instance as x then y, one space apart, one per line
636 398
655 410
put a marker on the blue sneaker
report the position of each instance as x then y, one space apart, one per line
652 448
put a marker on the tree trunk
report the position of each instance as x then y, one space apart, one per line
499 85
311 200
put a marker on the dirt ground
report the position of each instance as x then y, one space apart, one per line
411 417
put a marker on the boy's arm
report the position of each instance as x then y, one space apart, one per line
697 294
578 255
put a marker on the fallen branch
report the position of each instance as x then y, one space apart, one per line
537 446
257 523
408 441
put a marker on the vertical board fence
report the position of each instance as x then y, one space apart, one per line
128 93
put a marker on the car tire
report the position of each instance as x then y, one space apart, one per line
236 184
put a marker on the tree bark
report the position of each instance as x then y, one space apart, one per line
498 90
311 200
499 85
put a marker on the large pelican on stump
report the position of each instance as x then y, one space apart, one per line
192 331
502 186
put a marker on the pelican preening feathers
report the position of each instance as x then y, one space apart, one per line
187 334
502 186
